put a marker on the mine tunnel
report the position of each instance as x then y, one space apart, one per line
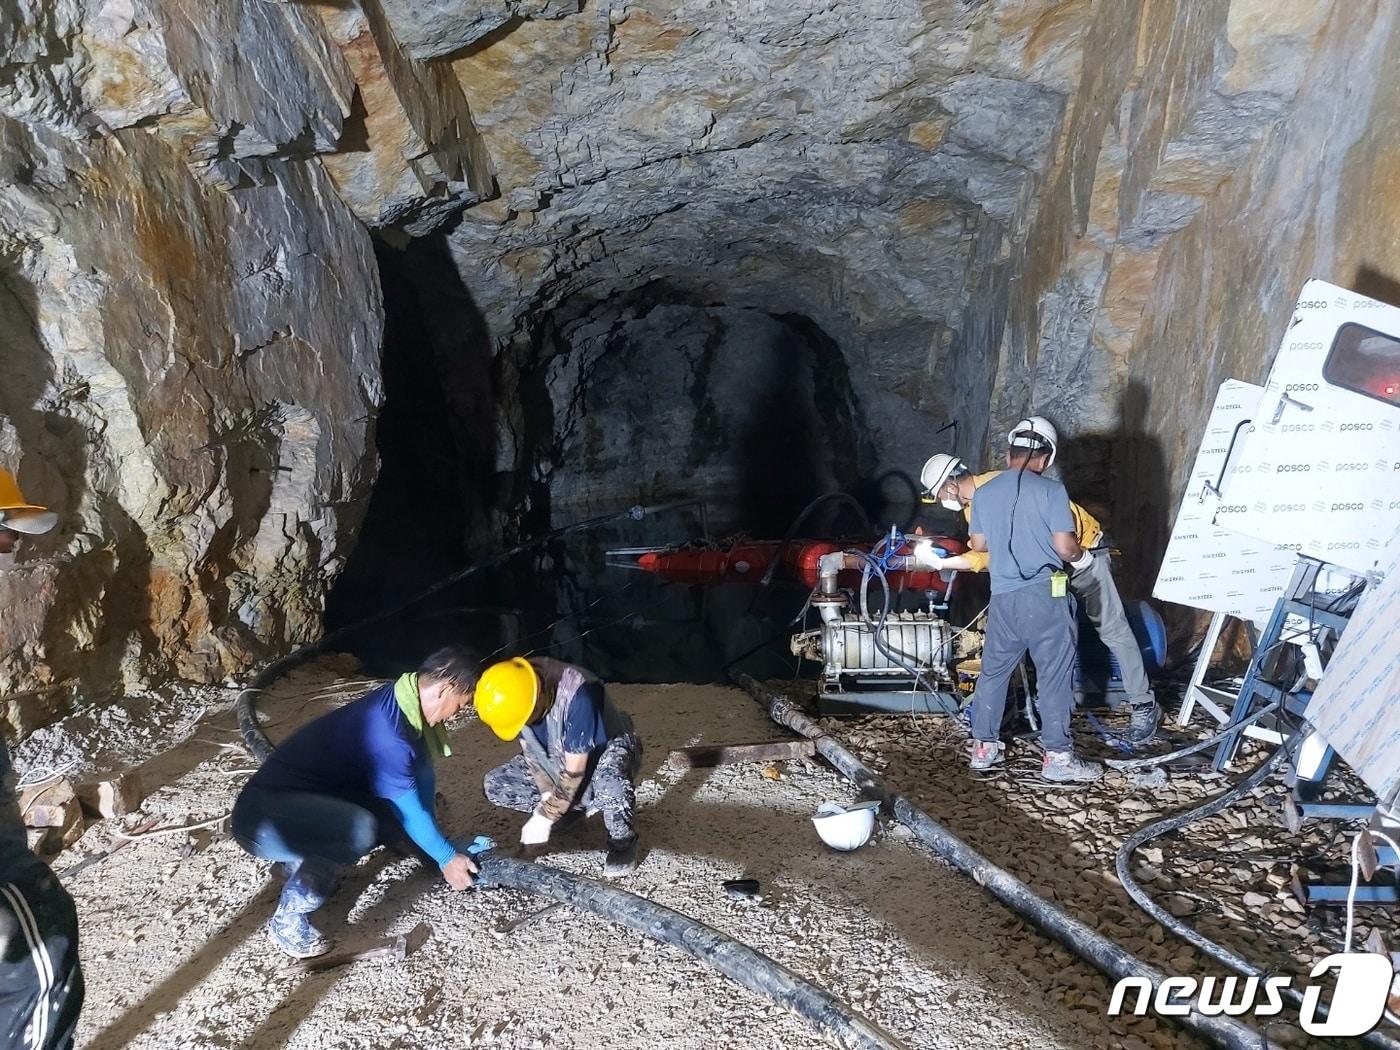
739 416
577 523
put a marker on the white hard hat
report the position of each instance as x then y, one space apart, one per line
937 470
1035 432
845 827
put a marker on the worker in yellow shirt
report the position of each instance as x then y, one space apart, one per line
948 481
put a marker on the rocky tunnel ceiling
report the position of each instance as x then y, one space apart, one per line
941 210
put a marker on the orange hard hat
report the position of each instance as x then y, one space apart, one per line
19 515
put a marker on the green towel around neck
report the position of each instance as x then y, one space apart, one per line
406 693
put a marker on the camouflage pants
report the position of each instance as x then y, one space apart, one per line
611 789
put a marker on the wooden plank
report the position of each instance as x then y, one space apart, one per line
706 755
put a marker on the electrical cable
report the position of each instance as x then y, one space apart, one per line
1351 895
1169 922
1355 878
49 773
183 828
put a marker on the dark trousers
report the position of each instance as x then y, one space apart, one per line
1028 619
41 983
294 826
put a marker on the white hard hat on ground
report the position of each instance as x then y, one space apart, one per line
1035 432
845 827
937 470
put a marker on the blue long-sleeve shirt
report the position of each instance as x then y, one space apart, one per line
364 749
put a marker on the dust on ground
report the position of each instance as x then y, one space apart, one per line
176 956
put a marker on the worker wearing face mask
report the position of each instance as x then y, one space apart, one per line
41 983
578 755
947 481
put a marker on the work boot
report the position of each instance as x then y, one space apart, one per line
290 929
295 936
1143 719
1069 767
621 859
986 754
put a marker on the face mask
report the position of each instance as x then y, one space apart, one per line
951 504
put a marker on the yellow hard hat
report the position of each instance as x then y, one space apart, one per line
18 514
505 696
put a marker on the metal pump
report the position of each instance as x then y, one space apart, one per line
887 660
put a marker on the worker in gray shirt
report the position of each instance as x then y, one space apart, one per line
41 984
1023 521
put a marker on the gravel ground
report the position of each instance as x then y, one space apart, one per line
176 956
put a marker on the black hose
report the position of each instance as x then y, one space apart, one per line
840 497
1086 942
737 961
1169 922
877 630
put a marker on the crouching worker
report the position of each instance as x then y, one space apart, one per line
579 754
359 777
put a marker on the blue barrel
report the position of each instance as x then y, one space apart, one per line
1095 669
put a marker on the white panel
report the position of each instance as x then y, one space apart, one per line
1206 566
1320 469
1357 704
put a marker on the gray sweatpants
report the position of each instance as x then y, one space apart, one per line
611 788
1028 618
1095 589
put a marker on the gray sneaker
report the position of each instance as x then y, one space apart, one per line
986 754
1069 767
1143 720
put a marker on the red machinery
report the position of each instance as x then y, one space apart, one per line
797 561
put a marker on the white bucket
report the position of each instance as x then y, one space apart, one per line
845 827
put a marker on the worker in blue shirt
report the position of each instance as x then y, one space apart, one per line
359 777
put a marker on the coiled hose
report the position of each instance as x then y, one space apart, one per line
1169 922
735 960
802 516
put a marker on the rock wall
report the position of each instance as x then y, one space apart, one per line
190 316
1245 154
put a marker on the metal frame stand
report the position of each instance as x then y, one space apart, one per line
1213 699
1299 599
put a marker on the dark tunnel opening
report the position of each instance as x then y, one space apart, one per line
644 398
652 396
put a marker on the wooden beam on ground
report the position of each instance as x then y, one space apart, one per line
706 755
